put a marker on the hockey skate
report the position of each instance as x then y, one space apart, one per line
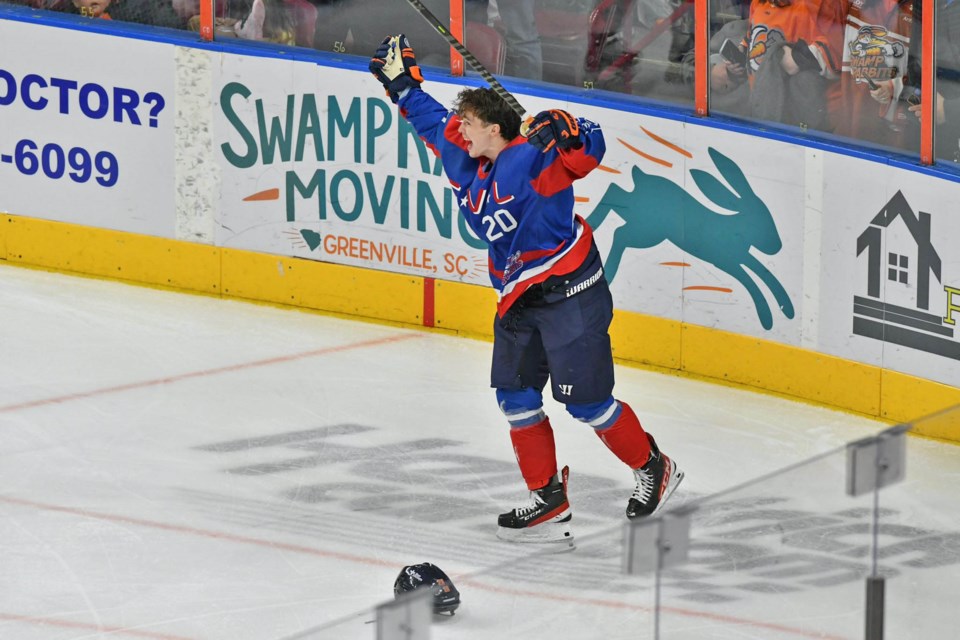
546 518
656 480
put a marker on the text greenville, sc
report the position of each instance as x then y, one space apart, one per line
307 136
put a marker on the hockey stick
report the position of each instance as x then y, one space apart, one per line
471 60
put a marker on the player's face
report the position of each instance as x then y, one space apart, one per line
481 136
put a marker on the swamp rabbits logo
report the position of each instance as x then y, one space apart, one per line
657 210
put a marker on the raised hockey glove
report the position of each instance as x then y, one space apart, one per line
554 127
395 66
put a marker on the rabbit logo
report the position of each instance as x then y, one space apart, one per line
657 210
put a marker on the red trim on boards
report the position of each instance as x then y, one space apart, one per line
701 56
429 302
206 20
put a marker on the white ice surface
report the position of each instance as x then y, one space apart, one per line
179 467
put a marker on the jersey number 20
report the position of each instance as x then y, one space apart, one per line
499 223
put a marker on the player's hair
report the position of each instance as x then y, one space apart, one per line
484 103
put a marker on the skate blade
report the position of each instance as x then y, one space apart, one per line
676 477
546 533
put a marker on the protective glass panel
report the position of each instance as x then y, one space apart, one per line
729 90
784 556
639 47
361 625
847 71
173 15
357 27
283 22
880 76
819 68
946 133
918 537
550 590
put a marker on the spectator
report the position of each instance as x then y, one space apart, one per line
266 20
681 37
875 53
516 20
149 12
186 9
728 92
804 40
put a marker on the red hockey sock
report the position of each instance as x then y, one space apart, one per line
627 439
536 453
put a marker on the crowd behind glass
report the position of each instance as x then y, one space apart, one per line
842 68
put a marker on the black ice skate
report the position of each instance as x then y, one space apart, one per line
656 480
546 518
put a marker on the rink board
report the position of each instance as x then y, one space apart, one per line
802 271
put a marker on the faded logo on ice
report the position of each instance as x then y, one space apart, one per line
742 547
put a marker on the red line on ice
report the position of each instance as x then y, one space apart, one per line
204 373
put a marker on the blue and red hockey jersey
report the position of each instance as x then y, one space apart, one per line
521 205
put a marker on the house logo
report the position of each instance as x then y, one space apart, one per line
903 266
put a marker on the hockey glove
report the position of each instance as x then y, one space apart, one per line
395 66
554 127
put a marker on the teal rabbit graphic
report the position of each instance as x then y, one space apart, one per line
657 209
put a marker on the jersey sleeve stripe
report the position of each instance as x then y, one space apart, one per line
561 173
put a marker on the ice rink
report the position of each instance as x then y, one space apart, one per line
178 467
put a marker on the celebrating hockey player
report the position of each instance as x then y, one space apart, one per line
554 307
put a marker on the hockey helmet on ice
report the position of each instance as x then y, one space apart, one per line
446 598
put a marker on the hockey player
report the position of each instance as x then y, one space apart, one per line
554 306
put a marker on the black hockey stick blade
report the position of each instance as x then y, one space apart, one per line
470 58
